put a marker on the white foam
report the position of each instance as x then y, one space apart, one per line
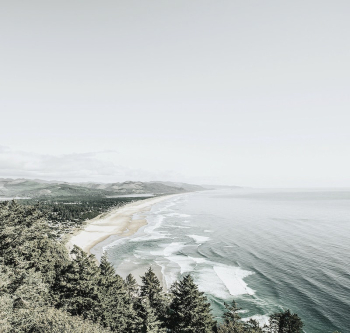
157 253
155 236
168 249
261 319
199 239
150 230
172 248
156 223
138 255
184 215
168 256
115 243
165 206
208 282
208 230
198 260
170 275
177 214
233 277
186 264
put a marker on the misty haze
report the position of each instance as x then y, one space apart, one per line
175 166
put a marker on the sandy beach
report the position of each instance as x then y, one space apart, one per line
116 222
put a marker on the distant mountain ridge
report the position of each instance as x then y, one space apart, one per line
42 188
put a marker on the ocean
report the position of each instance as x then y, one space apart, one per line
269 250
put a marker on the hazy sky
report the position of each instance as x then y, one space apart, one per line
252 93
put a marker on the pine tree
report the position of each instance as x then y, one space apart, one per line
189 309
153 291
131 286
77 286
231 314
116 307
149 319
285 322
233 323
26 241
151 288
252 326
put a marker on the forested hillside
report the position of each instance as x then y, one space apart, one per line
44 289
37 188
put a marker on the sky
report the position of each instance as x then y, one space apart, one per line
248 93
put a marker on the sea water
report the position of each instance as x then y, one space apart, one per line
269 250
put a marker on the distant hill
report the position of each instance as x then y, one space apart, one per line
222 187
131 187
34 188
186 187
40 188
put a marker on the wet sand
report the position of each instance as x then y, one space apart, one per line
116 222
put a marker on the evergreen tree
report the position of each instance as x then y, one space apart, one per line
189 309
131 286
149 319
234 324
153 291
77 286
231 314
58 321
27 242
116 309
285 322
252 326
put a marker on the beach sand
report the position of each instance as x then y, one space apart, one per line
116 222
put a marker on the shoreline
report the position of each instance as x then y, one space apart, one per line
118 222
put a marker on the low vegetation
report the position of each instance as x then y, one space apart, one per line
44 289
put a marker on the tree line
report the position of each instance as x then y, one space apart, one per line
44 289
64 214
